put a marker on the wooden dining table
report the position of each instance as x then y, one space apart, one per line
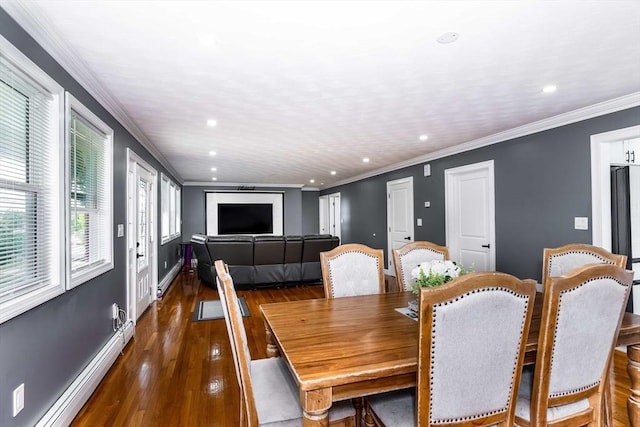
349 347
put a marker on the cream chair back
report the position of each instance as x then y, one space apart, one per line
352 269
410 256
561 260
581 316
490 313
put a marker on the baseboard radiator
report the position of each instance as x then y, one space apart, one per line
78 393
168 278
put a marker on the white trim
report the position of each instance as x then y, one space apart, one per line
132 160
79 392
168 278
244 186
606 107
449 175
85 274
15 306
39 28
407 180
601 183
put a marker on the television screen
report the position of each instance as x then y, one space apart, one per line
245 218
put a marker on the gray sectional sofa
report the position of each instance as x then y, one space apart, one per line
262 261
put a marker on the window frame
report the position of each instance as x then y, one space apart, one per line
89 272
23 66
170 202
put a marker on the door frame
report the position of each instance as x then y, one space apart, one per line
449 175
601 182
132 161
409 179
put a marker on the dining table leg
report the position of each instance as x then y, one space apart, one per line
633 369
315 407
272 347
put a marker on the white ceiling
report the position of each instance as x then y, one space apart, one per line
302 88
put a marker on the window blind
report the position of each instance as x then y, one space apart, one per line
29 206
90 199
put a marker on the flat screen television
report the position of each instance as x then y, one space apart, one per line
245 218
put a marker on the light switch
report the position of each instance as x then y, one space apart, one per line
120 230
419 222
581 223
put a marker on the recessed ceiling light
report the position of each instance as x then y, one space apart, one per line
365 160
214 169
549 89
333 172
212 153
423 137
212 123
312 181
447 38
322 183
214 179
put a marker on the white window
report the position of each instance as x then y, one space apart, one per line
171 220
31 224
89 175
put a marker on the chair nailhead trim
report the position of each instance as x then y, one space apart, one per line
603 260
344 253
555 334
515 364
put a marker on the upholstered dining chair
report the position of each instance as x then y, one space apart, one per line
408 257
580 320
268 393
471 343
561 260
352 269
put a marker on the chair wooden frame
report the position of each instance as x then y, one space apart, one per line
327 257
430 298
408 248
237 334
606 256
540 400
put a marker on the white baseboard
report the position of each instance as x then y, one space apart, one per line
168 278
64 410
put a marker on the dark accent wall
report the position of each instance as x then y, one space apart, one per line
542 181
194 215
310 212
48 346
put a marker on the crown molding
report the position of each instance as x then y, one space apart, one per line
600 109
40 30
238 184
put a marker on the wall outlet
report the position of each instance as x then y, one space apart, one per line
114 311
18 399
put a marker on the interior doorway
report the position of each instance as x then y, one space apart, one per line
142 214
400 230
607 149
330 216
470 215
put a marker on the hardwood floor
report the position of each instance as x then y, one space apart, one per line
176 372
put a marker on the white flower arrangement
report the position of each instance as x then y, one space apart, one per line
434 273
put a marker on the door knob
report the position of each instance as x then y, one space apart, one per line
407 238
488 245
139 255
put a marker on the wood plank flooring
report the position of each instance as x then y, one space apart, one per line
176 372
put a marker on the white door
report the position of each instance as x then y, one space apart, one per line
323 203
400 229
143 232
470 215
335 218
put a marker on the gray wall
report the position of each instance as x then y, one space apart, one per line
542 181
193 208
48 346
310 212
